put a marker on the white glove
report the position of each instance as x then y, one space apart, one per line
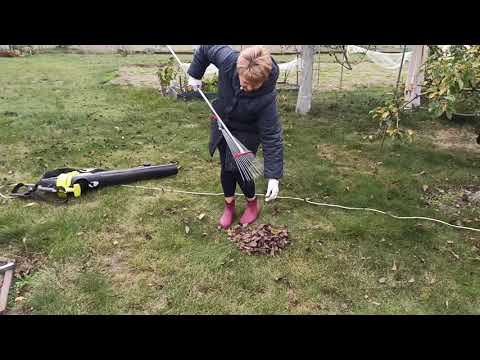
194 83
272 191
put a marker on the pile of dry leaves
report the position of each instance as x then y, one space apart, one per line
10 53
259 239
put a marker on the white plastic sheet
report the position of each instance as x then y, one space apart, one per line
386 60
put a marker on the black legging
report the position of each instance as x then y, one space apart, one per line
230 179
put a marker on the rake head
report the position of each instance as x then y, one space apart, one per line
247 163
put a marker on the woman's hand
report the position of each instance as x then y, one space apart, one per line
272 190
194 83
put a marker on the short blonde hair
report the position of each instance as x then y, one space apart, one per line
254 64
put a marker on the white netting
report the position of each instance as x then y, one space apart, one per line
385 60
289 66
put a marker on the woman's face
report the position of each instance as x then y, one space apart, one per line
248 87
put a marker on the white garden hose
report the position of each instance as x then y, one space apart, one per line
309 202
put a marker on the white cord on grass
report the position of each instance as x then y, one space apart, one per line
297 199
310 202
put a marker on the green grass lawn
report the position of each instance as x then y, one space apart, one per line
122 250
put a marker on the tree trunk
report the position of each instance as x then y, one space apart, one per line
413 86
304 100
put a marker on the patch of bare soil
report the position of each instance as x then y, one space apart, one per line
138 75
454 201
25 265
456 139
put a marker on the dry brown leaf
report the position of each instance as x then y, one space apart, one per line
455 255
201 216
394 267
187 229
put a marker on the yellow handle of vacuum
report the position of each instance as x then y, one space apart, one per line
64 181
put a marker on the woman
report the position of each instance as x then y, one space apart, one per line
247 104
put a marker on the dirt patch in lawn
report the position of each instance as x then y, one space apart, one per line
456 139
455 201
138 75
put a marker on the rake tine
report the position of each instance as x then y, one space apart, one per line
246 170
243 172
249 169
240 168
247 173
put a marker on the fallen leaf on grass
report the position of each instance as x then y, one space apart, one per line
201 216
394 267
382 280
292 298
455 255
187 229
30 204
412 280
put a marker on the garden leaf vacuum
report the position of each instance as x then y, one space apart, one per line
64 183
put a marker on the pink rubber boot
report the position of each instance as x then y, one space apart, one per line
251 212
228 214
